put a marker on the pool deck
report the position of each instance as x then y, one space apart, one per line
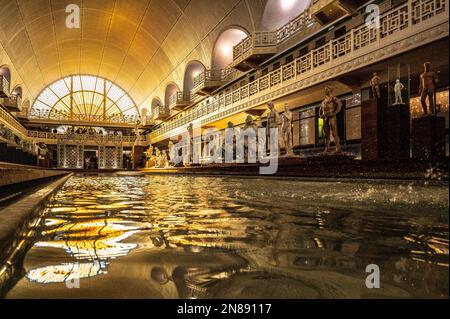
14 174
319 167
15 217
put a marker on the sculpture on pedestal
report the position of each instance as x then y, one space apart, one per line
273 120
428 82
190 141
286 129
329 110
157 157
375 84
249 126
149 156
171 152
162 160
398 88
136 131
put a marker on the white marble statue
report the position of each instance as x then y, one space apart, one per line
171 152
398 88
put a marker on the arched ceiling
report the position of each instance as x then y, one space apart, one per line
137 44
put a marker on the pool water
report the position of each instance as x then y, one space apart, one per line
211 237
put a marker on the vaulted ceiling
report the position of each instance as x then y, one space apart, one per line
141 45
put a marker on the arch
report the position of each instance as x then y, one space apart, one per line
193 69
156 105
279 12
89 95
5 73
17 91
171 89
222 54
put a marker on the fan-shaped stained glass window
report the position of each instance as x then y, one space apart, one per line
85 98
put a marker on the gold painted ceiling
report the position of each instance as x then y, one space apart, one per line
141 45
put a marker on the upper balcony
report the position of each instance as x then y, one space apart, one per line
4 86
403 28
93 138
179 101
210 80
55 117
254 50
160 113
13 103
261 45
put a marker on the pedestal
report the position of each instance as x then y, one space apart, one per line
428 137
373 115
384 131
397 133
137 156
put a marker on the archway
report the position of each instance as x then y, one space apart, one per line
279 12
193 69
222 55
171 89
17 91
5 80
156 107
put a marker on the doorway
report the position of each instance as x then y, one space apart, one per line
90 159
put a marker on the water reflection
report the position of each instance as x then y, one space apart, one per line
186 237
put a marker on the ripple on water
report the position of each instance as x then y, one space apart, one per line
250 238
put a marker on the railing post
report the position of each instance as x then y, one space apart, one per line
331 51
352 41
410 14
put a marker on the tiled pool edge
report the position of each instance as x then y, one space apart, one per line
15 219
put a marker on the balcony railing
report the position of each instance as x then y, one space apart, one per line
269 40
13 102
355 43
160 113
4 86
179 101
85 138
209 80
45 115
8 120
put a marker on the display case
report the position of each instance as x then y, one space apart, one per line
399 92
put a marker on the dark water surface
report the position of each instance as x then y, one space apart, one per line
208 237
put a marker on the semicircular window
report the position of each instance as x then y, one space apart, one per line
85 98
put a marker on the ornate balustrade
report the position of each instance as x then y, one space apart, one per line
400 30
179 101
209 80
14 125
4 86
262 44
86 138
13 102
45 115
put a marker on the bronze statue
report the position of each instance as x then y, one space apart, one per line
428 82
375 83
329 110
286 129
273 121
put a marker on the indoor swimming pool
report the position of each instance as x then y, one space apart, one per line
106 236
